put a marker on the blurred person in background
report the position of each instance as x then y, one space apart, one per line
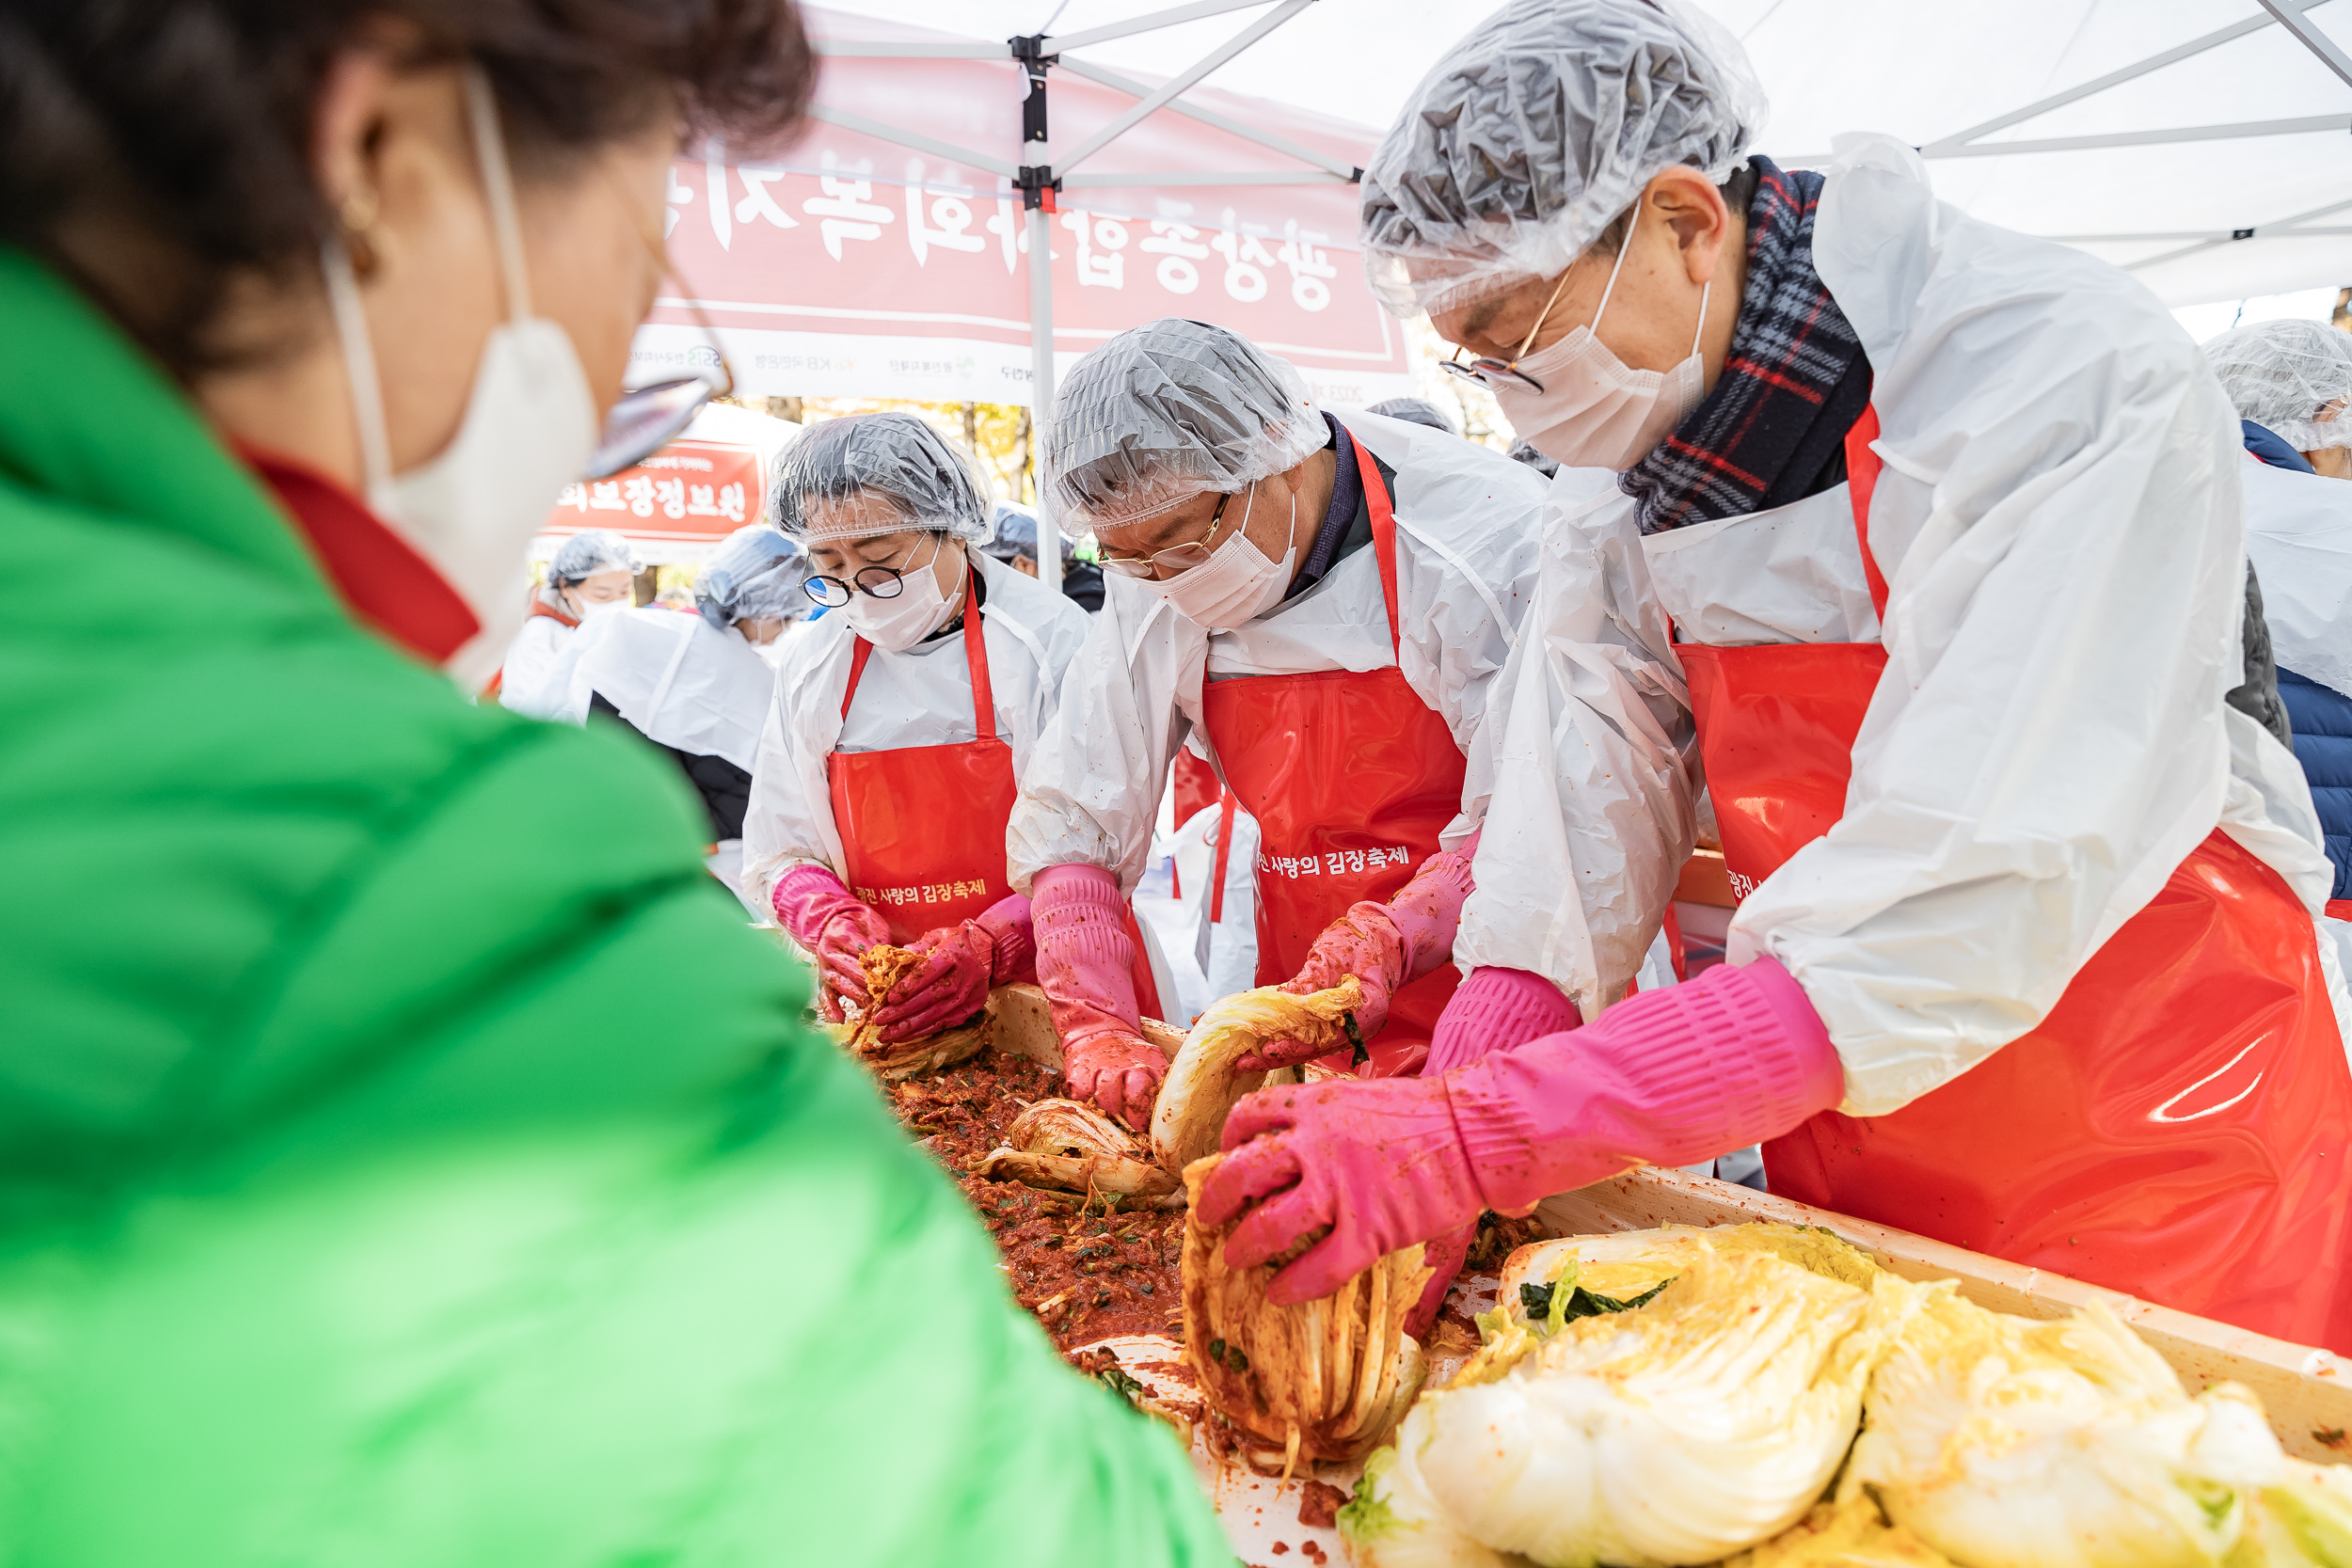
1417 411
1525 451
1939 522
2290 382
593 573
900 721
443 1176
1015 545
695 685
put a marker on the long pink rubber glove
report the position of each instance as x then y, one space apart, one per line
1666 1078
1383 946
824 917
1086 964
1492 1009
960 963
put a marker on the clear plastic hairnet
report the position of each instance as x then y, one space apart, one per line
918 478
1535 131
2284 374
590 551
1165 411
1417 411
754 574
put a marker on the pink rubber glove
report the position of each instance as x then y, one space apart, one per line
1491 1009
1384 947
823 917
1666 1078
1085 962
960 963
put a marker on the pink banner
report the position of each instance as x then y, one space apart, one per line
854 267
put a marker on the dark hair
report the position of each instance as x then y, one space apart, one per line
181 128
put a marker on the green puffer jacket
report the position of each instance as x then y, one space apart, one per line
407 1157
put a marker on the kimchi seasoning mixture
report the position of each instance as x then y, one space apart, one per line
1088 1266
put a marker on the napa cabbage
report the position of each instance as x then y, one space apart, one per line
2009 1442
1679 1432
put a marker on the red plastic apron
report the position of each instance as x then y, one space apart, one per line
923 827
2179 1126
1351 777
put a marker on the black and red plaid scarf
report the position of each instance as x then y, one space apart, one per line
1773 428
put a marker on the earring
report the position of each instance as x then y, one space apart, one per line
357 218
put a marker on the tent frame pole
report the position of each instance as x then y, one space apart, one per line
1035 179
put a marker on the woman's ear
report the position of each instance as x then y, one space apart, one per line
348 123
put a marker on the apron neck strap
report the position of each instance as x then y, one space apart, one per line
1383 536
1862 478
975 656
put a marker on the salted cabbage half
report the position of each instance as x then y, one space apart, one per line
1692 1428
2009 1442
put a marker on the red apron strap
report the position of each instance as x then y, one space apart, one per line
1383 537
975 655
1224 848
1861 481
857 672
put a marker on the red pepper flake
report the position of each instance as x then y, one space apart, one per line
1319 1505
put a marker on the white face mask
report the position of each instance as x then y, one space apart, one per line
588 609
1237 583
1596 411
528 429
898 622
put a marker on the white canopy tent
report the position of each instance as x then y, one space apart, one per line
1028 139
2205 144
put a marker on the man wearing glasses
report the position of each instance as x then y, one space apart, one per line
1327 603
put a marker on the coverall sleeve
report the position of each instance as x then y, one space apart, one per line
1586 752
789 820
1092 792
2060 523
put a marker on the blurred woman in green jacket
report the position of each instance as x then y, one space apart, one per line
406 1155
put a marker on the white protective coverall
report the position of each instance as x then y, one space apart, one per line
536 680
680 680
1466 549
2059 521
2298 532
921 697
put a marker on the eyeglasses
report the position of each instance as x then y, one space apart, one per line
880 582
876 582
646 419
1176 558
1490 374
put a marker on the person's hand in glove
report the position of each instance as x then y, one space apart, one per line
822 916
1492 1009
1665 1078
1383 946
1085 962
960 963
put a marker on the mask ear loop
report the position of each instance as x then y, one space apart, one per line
359 354
1700 331
498 189
1612 288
